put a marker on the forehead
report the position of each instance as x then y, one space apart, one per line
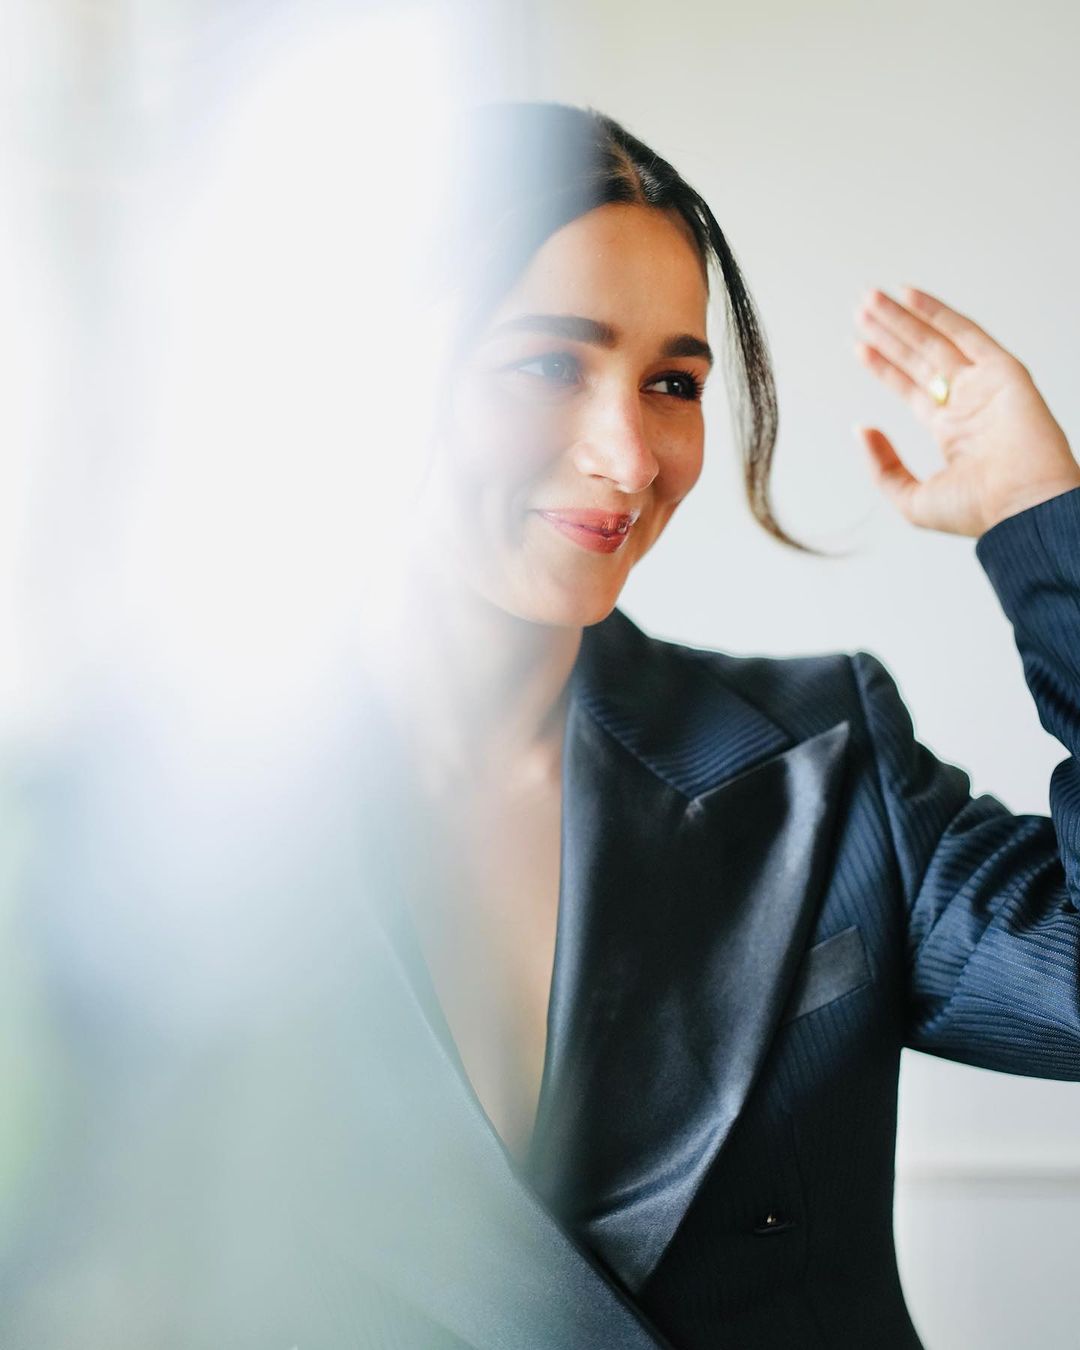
634 266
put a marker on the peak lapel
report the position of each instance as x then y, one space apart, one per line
452 1227
409 1180
683 916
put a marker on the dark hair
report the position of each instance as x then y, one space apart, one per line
522 170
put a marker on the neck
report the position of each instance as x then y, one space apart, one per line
480 695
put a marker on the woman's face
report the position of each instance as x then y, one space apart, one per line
576 425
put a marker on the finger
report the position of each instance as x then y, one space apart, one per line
935 349
897 380
971 340
884 341
890 473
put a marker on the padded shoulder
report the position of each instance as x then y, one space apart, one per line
802 694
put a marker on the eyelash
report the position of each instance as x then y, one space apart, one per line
697 385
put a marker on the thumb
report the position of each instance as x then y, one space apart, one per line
890 473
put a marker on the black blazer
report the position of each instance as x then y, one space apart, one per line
769 887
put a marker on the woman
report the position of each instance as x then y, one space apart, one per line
614 1062
682 909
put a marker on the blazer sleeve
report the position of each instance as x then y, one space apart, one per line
993 898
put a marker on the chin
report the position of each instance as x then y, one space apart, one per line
568 608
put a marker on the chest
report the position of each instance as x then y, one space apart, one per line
487 933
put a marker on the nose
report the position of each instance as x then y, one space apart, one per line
613 443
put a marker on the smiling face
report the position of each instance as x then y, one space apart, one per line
576 426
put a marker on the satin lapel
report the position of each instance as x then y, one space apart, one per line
412 1184
683 918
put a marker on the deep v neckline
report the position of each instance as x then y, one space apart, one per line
696 839
399 793
405 939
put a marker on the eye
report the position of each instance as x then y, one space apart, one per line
682 384
555 367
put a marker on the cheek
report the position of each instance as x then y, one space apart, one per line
493 454
498 439
680 468
680 462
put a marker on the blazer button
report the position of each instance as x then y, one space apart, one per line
774 1222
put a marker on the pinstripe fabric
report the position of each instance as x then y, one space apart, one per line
969 920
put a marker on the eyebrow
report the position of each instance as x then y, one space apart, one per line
579 329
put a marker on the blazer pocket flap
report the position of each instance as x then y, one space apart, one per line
829 969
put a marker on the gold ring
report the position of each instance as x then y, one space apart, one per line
939 388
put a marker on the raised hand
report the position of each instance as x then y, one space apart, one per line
1003 449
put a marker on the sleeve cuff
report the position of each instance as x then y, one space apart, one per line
1038 546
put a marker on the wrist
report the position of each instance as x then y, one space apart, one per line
1032 495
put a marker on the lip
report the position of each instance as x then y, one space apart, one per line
597 531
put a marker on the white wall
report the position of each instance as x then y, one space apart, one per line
844 146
